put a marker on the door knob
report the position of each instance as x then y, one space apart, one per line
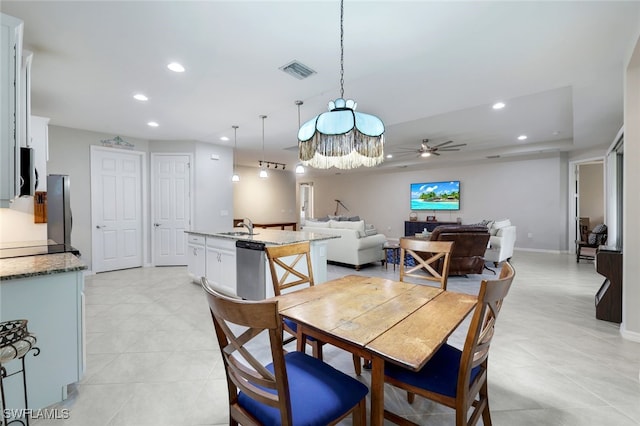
156 224
100 226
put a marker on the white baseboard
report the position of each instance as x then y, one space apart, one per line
629 335
540 250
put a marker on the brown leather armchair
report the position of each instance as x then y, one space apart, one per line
470 243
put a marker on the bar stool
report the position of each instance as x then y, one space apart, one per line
15 343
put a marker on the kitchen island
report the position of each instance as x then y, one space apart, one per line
48 291
214 255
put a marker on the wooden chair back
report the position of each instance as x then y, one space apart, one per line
476 347
237 322
285 265
431 256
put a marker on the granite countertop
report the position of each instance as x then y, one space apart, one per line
31 266
270 236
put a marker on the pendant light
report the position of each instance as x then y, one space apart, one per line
235 177
263 172
299 167
342 137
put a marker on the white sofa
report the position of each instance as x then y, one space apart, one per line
357 244
501 242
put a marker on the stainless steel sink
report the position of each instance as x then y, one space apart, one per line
236 233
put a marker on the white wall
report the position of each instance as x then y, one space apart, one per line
591 180
630 327
213 190
270 200
530 192
16 223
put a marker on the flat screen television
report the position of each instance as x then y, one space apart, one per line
435 195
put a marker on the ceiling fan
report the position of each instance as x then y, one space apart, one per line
427 150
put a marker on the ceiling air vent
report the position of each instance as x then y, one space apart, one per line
298 70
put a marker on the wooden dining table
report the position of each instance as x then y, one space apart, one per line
378 319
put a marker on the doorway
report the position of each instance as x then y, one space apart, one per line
117 227
588 206
305 195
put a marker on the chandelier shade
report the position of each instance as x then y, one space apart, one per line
342 137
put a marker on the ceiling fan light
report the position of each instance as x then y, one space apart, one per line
425 154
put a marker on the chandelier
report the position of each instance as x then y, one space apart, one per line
342 137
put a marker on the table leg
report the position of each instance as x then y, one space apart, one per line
377 391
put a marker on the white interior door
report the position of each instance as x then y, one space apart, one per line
116 209
171 203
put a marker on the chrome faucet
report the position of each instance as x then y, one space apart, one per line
247 224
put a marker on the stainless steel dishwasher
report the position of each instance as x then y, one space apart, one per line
250 270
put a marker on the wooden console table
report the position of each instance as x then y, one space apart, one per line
413 228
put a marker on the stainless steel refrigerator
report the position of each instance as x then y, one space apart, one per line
59 219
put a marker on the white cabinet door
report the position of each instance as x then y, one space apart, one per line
10 65
196 261
39 141
221 265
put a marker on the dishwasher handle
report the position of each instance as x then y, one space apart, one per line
250 245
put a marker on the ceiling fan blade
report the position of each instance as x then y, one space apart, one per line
434 153
448 149
443 144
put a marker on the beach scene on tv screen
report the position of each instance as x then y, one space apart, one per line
435 196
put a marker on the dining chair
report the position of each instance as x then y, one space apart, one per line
287 272
294 388
430 256
455 378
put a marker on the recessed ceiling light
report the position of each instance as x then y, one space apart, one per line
389 155
152 124
522 137
175 67
224 138
140 97
499 105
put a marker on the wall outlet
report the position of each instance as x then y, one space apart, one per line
215 157
224 212
530 235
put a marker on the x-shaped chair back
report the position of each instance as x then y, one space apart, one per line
237 322
286 267
432 257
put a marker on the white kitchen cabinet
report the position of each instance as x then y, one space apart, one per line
221 264
10 70
196 257
53 305
39 141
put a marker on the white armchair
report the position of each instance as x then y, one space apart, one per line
501 242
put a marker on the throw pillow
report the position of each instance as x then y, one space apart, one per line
597 235
354 218
370 231
498 225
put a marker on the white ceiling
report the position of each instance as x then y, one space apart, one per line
427 69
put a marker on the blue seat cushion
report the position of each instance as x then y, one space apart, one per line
319 393
439 375
294 326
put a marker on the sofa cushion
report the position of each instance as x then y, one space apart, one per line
357 226
499 224
317 224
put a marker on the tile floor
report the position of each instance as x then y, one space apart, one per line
152 358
